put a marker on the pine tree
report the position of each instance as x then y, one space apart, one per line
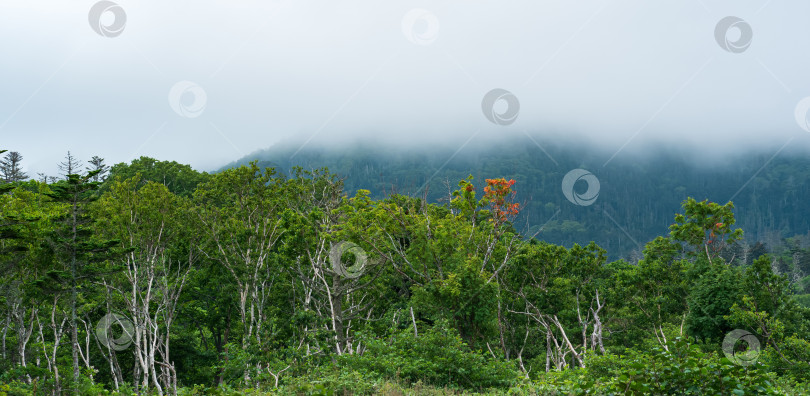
10 168
8 224
97 164
73 240
5 187
69 166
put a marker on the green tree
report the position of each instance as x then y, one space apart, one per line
155 229
97 164
75 245
769 309
705 227
10 167
180 179
711 297
240 212
653 292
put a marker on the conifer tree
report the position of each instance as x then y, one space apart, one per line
73 242
10 170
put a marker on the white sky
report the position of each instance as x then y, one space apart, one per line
610 72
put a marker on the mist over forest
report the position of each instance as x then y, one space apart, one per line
638 192
352 197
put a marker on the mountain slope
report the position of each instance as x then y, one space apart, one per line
637 196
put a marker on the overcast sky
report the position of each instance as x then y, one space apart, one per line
206 82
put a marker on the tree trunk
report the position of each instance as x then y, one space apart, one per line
548 349
74 330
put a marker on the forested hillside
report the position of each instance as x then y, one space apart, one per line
636 199
150 277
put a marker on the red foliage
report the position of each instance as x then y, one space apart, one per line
498 192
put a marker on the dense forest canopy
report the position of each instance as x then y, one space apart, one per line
153 278
636 199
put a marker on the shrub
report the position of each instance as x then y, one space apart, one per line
437 357
685 370
332 380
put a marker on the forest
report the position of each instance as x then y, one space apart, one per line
264 277
637 198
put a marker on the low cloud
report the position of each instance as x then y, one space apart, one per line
620 76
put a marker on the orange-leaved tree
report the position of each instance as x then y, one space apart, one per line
499 195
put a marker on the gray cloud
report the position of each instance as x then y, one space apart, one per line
608 72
